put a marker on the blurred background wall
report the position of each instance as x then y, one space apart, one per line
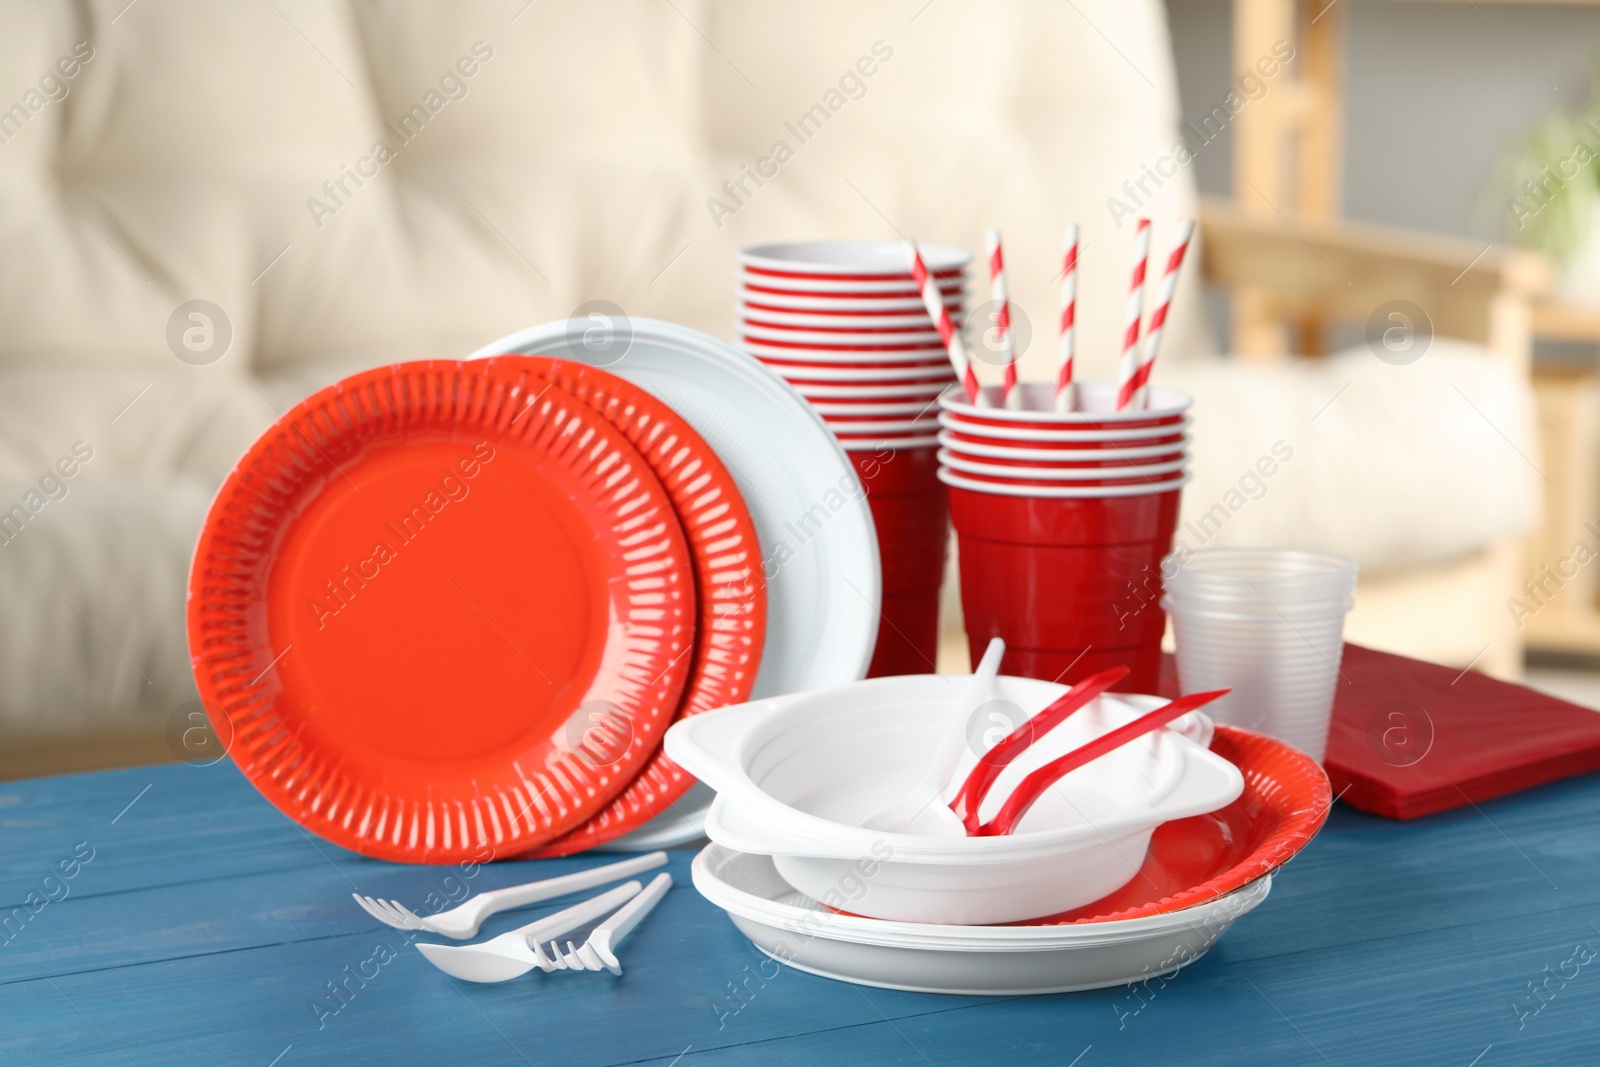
1432 92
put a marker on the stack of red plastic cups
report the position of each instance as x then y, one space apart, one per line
1062 520
843 322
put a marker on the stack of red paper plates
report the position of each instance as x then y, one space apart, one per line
444 610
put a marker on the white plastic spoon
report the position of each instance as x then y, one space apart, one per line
511 955
921 810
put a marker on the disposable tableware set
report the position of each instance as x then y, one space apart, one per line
666 589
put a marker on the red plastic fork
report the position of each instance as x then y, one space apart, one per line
982 777
1031 788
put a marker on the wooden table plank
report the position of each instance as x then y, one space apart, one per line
147 826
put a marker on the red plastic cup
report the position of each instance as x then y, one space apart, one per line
1073 584
853 421
1022 454
854 260
868 408
1105 460
1071 665
844 310
802 375
1068 441
912 539
753 290
796 362
887 347
898 471
877 442
910 512
902 277
1063 476
804 322
1097 409
908 635
870 399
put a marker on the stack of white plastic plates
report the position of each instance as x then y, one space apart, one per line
973 960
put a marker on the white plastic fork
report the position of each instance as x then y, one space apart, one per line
599 952
463 921
510 955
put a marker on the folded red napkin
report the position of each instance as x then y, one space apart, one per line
1411 738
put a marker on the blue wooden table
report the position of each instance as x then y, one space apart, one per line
169 915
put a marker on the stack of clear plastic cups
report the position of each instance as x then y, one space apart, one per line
1269 624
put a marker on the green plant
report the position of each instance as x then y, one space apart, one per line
1550 179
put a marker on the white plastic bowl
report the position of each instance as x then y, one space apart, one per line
970 960
796 777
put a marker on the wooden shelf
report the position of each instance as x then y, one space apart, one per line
1554 321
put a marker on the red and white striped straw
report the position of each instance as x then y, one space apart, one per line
1128 368
1158 317
1010 396
1069 319
954 345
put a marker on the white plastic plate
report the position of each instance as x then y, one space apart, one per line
818 544
966 960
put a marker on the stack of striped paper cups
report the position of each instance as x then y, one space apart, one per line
845 324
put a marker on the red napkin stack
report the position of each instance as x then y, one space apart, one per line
1411 738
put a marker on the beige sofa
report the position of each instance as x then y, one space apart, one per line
207 210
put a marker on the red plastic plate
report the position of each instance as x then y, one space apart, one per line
730 589
1191 861
415 594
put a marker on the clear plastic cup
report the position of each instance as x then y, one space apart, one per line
1262 575
1268 624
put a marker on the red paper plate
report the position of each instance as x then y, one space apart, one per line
415 595
730 589
1191 861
